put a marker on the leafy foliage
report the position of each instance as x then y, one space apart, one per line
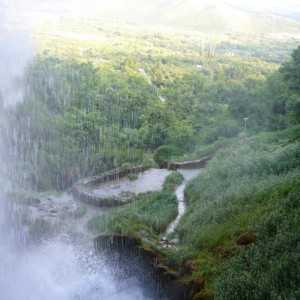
90 111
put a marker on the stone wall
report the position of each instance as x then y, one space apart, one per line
191 164
81 189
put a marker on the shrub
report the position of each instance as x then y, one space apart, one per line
166 152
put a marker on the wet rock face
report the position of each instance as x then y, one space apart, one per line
177 290
129 260
118 242
188 267
184 289
223 252
246 239
122 248
203 295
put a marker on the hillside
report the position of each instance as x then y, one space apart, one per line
218 17
207 16
132 83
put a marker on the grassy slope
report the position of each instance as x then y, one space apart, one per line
252 185
148 215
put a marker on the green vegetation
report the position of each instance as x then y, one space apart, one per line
250 186
172 181
149 215
79 212
133 176
92 105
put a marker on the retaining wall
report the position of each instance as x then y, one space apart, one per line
81 189
191 164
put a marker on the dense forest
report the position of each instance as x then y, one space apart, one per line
133 96
88 112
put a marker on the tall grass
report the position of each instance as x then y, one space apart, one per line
148 215
252 185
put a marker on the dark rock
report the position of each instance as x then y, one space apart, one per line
188 267
32 201
223 252
175 241
170 276
184 289
177 290
163 164
130 247
164 239
117 242
203 295
246 239
196 285
148 253
160 270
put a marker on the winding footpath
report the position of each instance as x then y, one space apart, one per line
188 174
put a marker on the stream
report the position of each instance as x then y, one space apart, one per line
144 73
188 174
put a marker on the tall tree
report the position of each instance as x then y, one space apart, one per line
291 74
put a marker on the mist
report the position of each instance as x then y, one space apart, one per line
16 52
130 9
140 142
53 267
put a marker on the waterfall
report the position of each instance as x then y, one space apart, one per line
60 266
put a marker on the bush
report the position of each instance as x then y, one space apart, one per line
226 130
166 152
172 181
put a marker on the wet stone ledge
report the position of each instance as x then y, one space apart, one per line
81 189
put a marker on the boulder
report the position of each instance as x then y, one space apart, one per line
203 295
246 239
188 267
